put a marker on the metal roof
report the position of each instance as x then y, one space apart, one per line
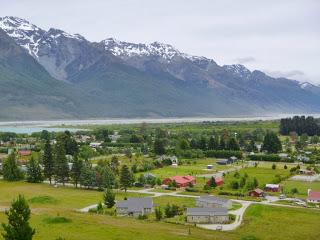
207 211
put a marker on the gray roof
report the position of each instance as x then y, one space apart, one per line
212 199
207 211
135 204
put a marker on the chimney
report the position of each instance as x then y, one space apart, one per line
309 190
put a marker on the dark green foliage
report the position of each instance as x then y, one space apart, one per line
126 178
47 160
212 182
18 227
271 143
274 166
34 172
88 176
159 147
172 210
234 185
109 198
233 145
300 125
267 158
159 214
75 172
223 154
203 143
10 169
61 163
213 143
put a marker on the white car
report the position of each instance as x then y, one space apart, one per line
219 228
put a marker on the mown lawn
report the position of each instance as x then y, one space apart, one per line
301 186
54 215
196 167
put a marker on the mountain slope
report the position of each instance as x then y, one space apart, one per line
54 74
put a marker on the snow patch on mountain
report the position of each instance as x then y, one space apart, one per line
128 50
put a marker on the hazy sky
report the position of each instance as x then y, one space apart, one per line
281 37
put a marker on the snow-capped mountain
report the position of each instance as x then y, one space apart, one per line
155 49
136 79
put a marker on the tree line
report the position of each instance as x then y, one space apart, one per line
300 125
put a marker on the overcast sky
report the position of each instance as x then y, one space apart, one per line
280 37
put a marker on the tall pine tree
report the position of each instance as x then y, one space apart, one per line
61 162
34 172
125 177
18 227
75 173
47 160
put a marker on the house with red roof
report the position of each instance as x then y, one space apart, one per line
182 181
24 152
256 193
219 181
313 196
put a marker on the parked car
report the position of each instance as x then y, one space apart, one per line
282 196
219 228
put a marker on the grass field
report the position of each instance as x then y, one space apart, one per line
54 215
197 167
301 186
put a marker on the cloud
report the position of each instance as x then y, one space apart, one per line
245 60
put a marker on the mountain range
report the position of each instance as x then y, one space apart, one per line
52 74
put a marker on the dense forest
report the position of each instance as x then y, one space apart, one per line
300 125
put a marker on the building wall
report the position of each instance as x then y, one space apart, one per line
208 219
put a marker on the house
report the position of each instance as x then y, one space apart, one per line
303 158
95 144
114 137
313 196
135 206
223 161
272 187
256 193
218 180
182 181
233 159
207 215
213 202
307 172
283 155
23 153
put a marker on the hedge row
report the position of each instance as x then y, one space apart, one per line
223 153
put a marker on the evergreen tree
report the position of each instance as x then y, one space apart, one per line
75 172
222 145
158 213
109 198
87 176
233 144
47 160
10 169
61 162
203 143
271 143
159 147
213 143
213 183
34 172
125 177
18 227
